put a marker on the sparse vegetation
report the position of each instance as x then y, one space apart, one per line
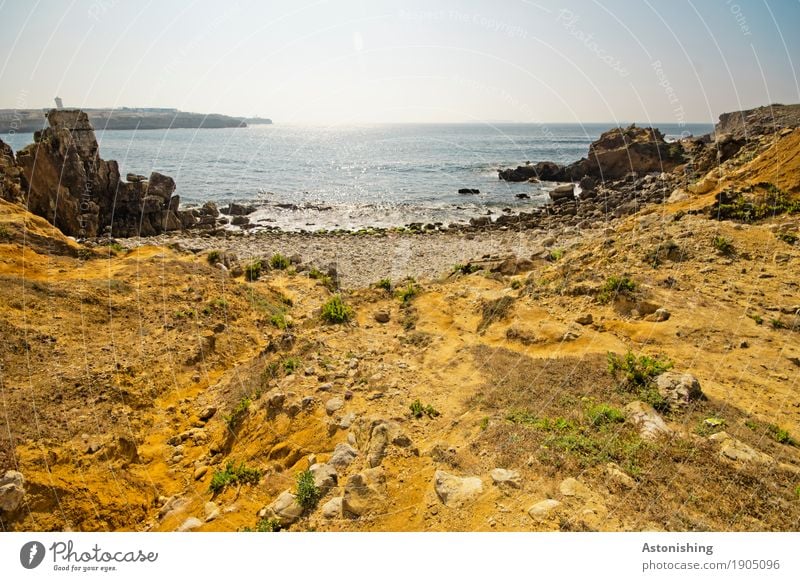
418 410
637 376
777 323
236 417
279 261
602 414
788 237
335 311
280 321
5 234
233 474
555 255
253 271
758 319
307 494
615 285
722 245
385 284
484 423
494 310
214 257
290 365
516 284
265 525
407 293
773 431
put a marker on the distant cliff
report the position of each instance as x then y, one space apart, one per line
30 120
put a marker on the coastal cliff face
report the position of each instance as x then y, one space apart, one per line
153 388
62 178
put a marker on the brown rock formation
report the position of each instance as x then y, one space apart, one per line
9 175
68 183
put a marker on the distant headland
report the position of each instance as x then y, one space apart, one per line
30 120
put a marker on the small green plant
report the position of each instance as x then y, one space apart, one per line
280 321
418 410
516 284
252 271
307 494
385 284
555 255
268 525
636 371
788 237
116 247
336 311
408 293
465 268
615 285
214 257
710 426
279 261
757 318
797 491
233 474
722 245
777 323
484 423
781 435
236 417
326 280
602 414
290 365
4 233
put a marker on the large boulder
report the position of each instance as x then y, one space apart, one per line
678 389
642 415
68 184
284 509
456 491
364 492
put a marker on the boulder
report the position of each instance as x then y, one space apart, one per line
382 316
378 442
343 456
211 511
503 477
332 508
543 508
234 209
12 490
679 389
189 524
573 487
738 452
456 491
325 476
643 416
284 509
334 405
364 492
135 177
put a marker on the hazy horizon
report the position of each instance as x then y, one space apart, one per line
322 62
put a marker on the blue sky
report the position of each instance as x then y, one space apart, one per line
365 61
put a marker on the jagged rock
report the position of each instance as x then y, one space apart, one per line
585 319
382 316
364 492
284 509
343 456
134 177
679 389
210 209
737 451
456 491
332 508
325 476
503 477
378 442
333 405
189 524
10 185
234 209
12 490
650 424
207 413
543 508
70 185
211 511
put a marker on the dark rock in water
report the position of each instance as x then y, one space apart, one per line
240 220
70 185
135 177
482 221
210 209
544 170
522 197
469 191
234 209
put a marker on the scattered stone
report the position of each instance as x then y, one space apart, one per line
332 508
737 451
382 316
455 491
207 413
200 471
650 424
363 492
275 401
585 319
503 477
346 421
12 490
378 442
659 316
343 456
190 524
211 511
572 487
172 504
617 478
325 476
284 509
679 389
333 405
543 508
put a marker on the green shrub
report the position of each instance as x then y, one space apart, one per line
268 525
615 285
252 271
307 494
555 255
409 292
233 474
723 245
326 280
788 237
214 257
385 284
636 371
758 319
336 311
290 365
484 423
235 419
602 414
280 321
279 261
516 284
465 268
777 323
418 410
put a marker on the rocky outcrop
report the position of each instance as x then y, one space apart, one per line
68 184
751 123
544 170
10 189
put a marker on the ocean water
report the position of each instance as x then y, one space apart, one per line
313 177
